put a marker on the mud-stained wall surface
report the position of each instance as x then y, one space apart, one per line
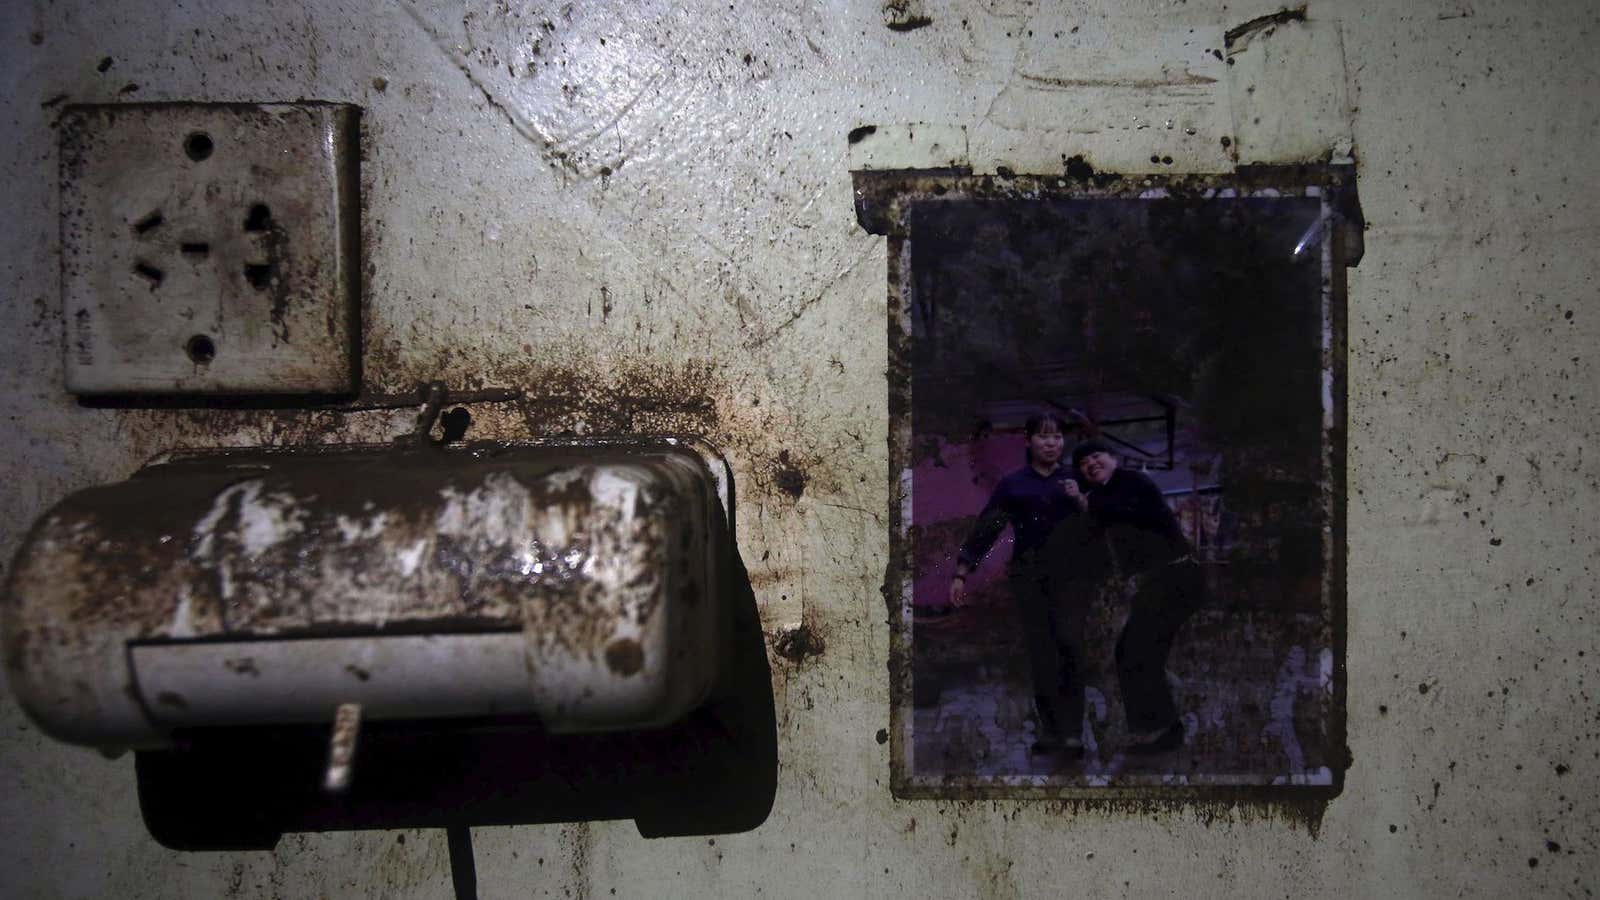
642 218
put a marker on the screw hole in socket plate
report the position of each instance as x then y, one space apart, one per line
201 349
198 146
148 222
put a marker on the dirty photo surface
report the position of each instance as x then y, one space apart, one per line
1120 485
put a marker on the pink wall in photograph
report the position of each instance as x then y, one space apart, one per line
948 490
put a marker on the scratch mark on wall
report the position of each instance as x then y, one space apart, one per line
773 332
876 516
1015 64
1260 23
518 122
1188 78
615 120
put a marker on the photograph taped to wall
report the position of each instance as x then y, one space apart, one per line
1119 516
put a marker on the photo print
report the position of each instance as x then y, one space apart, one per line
1118 435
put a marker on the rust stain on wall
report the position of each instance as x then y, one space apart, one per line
799 643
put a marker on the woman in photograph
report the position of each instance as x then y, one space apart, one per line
1050 577
1146 542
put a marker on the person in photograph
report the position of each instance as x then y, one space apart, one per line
1050 594
1148 544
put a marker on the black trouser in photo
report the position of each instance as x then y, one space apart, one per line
1165 599
1053 610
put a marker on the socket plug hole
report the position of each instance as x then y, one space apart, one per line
201 349
259 276
148 222
260 218
149 273
198 146
195 249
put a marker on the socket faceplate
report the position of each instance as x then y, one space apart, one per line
210 249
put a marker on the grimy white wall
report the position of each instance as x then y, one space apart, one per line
622 199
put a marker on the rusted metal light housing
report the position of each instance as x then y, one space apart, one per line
579 585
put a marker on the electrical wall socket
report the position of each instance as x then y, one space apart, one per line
210 249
